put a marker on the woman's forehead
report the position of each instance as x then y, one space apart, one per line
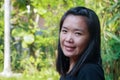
75 22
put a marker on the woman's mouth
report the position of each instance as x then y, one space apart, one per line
69 48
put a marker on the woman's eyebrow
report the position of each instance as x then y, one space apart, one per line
76 29
64 27
79 30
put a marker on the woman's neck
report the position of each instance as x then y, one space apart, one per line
72 63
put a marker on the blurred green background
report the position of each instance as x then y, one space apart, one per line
34 35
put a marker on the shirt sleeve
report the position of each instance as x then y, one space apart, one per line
91 72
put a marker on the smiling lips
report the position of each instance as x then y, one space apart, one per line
69 48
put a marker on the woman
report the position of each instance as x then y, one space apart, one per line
79 46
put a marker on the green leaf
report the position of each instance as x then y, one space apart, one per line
24 45
28 39
18 32
42 11
113 19
113 36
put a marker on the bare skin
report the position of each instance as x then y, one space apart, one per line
74 37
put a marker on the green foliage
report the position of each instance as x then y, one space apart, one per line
111 40
1 61
34 44
1 35
1 27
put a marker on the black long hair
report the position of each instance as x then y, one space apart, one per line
92 52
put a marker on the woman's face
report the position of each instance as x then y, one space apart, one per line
74 36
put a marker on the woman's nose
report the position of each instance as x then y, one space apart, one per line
69 38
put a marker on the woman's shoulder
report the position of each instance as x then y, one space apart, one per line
91 71
91 67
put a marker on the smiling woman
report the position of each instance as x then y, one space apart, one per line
79 46
74 38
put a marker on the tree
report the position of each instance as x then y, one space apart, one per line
7 68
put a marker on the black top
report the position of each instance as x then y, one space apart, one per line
87 72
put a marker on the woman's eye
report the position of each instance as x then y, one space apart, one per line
77 33
64 31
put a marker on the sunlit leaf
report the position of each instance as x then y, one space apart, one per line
24 45
113 36
113 19
18 32
29 39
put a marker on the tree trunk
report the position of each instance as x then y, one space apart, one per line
7 60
